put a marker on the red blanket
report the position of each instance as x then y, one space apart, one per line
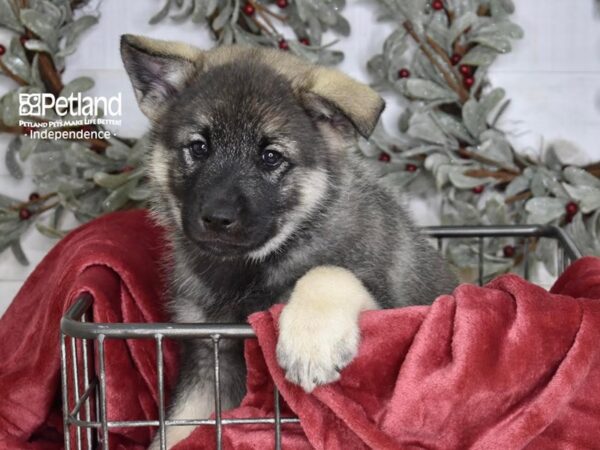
504 366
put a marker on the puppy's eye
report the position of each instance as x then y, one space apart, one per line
271 158
198 149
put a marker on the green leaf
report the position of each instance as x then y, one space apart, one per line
36 78
11 232
473 118
16 60
517 185
588 197
493 41
504 28
28 146
6 201
140 194
341 26
49 232
8 17
119 197
479 56
211 6
74 31
222 18
36 45
491 100
160 15
427 90
462 22
10 108
11 159
422 126
17 250
546 251
40 24
496 147
110 181
543 210
187 12
458 178
77 85
580 177
453 127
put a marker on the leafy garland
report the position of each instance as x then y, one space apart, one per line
437 60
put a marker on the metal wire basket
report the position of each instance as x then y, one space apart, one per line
84 389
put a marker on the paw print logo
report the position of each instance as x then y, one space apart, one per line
30 104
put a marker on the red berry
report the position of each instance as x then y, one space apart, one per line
34 196
24 214
282 3
572 208
411 167
437 5
384 157
508 251
465 70
469 82
283 45
2 49
455 59
305 41
23 39
478 189
403 73
249 9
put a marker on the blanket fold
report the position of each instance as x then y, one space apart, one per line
504 366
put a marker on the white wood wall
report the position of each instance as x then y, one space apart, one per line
552 77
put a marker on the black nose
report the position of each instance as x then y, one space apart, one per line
219 217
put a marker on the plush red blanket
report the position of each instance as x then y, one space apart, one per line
505 366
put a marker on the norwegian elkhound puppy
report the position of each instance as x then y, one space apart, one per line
254 176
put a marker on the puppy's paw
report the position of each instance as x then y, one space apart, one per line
318 329
312 350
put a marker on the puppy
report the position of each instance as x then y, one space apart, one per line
255 176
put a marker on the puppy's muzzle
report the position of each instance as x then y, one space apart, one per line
219 216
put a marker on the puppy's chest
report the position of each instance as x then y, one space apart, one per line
237 292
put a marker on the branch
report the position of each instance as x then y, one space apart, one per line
463 95
490 162
11 129
518 197
41 199
6 71
500 175
49 74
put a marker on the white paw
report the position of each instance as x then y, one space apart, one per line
318 328
313 350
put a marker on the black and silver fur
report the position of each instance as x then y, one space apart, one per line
243 231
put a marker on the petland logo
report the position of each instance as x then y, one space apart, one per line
40 104
73 117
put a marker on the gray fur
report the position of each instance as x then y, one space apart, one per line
357 223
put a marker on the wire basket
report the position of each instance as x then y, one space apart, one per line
85 415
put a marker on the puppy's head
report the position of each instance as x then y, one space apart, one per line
246 141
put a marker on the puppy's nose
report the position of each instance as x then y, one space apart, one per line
221 217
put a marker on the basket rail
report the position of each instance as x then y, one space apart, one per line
71 324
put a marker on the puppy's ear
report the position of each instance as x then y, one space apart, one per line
157 69
331 92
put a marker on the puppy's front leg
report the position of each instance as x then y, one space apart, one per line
318 328
194 395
